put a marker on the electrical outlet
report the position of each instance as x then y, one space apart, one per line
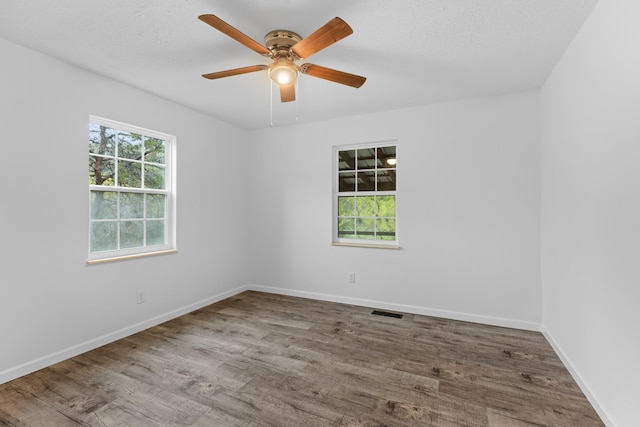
140 297
352 277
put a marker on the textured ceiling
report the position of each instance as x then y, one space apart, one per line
413 52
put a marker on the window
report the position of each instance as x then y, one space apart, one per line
365 195
131 185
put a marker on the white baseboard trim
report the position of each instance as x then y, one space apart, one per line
586 390
425 311
42 362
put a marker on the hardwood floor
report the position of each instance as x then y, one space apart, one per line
267 360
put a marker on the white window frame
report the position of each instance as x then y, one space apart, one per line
372 243
169 191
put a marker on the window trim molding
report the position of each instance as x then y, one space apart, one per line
169 191
364 245
360 243
132 256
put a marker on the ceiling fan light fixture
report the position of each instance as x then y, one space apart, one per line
285 47
283 72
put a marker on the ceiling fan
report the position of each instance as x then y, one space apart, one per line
285 47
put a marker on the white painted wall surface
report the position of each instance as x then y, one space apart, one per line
468 203
590 137
51 303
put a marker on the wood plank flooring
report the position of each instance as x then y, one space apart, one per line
268 360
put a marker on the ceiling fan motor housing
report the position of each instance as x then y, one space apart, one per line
280 41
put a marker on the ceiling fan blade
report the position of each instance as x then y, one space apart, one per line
234 33
288 92
328 34
332 75
234 72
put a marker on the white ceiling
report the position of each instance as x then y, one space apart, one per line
413 52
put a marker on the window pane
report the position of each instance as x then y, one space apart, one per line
346 206
386 180
131 234
374 193
366 181
364 228
346 228
104 205
346 160
366 158
364 206
154 150
104 236
386 206
134 214
101 140
385 229
155 233
154 177
156 205
346 182
131 205
387 157
129 174
129 146
101 170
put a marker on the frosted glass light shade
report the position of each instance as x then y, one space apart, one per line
283 73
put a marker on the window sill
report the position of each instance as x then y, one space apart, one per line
133 256
366 245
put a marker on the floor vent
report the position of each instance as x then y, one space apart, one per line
387 314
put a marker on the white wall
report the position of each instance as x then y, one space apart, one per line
468 203
590 138
51 303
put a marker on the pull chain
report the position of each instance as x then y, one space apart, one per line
297 96
271 102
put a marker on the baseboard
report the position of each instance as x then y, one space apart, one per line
425 311
586 390
43 362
